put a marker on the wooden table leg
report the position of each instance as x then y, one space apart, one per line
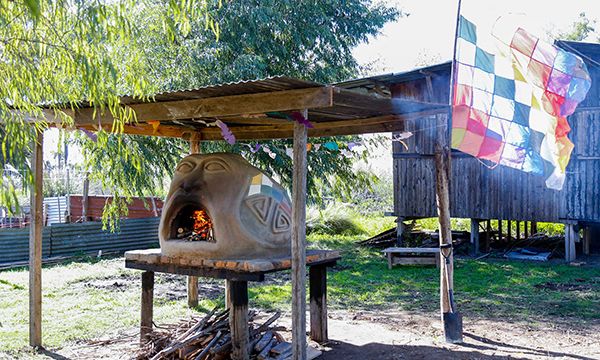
238 319
147 304
318 303
192 291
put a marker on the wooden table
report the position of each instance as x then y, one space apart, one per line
238 273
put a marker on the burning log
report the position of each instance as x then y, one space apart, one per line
201 230
209 338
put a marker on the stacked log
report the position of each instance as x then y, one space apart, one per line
209 338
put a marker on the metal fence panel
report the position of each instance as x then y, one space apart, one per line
66 240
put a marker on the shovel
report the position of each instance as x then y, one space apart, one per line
453 328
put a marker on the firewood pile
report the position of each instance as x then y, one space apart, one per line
210 338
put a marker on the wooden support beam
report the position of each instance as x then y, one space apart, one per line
299 242
570 238
474 237
318 303
488 235
85 199
147 312
285 129
518 234
192 281
400 228
255 103
587 239
534 228
238 319
35 242
526 229
500 230
509 229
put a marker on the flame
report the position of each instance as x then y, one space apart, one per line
202 223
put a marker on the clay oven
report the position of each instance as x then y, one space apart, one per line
219 206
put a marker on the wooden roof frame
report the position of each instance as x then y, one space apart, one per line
340 112
332 110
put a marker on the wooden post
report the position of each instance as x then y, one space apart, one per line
147 305
526 230
509 230
227 294
299 242
488 235
85 198
399 230
192 281
192 291
534 228
474 237
442 156
238 319
518 234
570 237
35 243
499 230
318 303
587 239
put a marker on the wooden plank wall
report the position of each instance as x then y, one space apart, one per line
476 191
583 195
500 193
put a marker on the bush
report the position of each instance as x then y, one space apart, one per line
334 219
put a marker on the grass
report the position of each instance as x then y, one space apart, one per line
91 299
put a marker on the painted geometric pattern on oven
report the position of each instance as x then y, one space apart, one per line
269 204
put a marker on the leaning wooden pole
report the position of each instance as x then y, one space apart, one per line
299 242
35 244
451 319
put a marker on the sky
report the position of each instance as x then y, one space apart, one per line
426 36
427 33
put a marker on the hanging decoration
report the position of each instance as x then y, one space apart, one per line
300 119
225 132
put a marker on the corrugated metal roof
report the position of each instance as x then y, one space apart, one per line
394 78
276 83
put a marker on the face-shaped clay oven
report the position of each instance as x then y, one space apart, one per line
249 211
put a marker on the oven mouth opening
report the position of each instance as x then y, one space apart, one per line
192 223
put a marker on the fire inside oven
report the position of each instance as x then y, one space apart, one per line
192 224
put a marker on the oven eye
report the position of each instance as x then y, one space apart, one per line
185 167
214 166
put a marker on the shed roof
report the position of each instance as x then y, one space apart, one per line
250 110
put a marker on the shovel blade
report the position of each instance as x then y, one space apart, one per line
453 327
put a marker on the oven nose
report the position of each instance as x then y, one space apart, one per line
190 186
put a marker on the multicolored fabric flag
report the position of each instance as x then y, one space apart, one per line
511 99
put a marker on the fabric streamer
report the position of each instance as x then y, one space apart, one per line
225 132
331 145
297 117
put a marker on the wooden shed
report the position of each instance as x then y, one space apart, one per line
502 193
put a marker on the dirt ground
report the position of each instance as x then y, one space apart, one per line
366 335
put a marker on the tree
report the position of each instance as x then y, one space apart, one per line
58 53
306 39
580 29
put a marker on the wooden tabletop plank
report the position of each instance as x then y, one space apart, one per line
139 258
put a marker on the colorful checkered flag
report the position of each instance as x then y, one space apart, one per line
512 93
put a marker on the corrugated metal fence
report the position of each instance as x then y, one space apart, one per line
64 240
